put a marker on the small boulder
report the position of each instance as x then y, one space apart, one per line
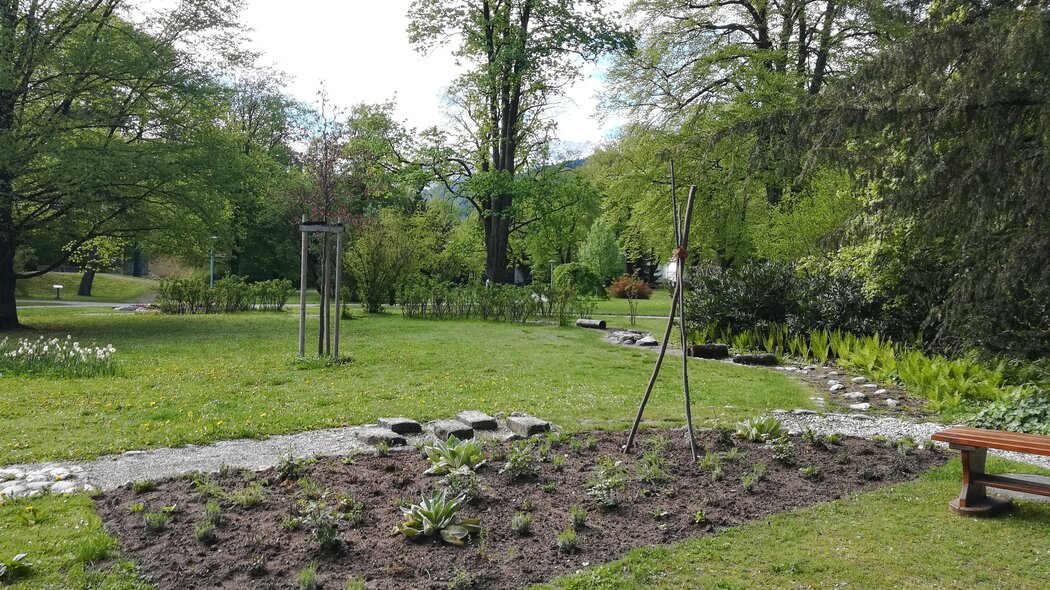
647 341
859 380
446 428
892 403
373 435
860 407
527 425
761 360
400 425
477 420
837 387
856 396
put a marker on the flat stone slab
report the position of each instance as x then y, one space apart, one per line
527 425
477 420
400 425
446 428
374 435
1043 479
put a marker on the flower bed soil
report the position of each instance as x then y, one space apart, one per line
254 551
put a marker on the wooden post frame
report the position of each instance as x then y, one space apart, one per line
974 498
325 334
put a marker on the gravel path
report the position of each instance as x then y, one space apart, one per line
892 428
112 471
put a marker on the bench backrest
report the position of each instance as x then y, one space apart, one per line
1034 444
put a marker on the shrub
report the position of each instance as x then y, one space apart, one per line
521 523
436 514
629 287
1020 411
453 454
577 277
231 294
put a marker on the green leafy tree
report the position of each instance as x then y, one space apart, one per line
107 127
600 252
521 55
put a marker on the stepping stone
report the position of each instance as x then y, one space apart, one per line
870 386
892 403
374 435
400 425
65 487
802 412
527 425
859 380
837 387
477 420
647 341
860 407
880 392
856 396
446 428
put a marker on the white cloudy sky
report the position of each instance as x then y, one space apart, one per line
360 50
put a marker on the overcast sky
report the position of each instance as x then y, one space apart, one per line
360 50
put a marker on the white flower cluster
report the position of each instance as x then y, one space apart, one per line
54 355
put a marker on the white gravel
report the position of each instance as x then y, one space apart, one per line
892 428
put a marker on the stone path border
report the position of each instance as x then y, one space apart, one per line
112 471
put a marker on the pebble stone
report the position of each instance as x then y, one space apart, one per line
881 391
836 387
864 407
859 380
855 396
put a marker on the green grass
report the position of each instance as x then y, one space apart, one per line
62 536
659 304
901 536
106 288
199 379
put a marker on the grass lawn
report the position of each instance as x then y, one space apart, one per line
901 536
659 304
198 379
106 288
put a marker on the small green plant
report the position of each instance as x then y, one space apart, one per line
833 439
250 496
784 452
699 517
761 429
652 468
527 505
842 458
576 445
310 488
437 514
591 443
733 454
353 510
660 514
464 482
355 584
521 523
290 522
203 485
94 548
462 580
718 473
812 437
549 487
213 512
577 517
558 462
322 521
291 468
453 454
205 531
750 480
382 449
136 508
523 460
725 436
905 445
557 439
709 461
812 472
603 495
307 578
155 521
142 487
15 569
568 542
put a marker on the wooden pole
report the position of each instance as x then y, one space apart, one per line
322 334
338 286
680 278
302 296
677 309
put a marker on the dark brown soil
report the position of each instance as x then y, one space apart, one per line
254 551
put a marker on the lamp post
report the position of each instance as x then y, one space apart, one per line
211 281
58 291
551 261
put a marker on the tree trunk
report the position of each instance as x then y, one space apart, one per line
8 309
86 282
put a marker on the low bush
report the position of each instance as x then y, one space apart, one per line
188 295
629 287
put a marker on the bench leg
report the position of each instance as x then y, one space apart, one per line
973 500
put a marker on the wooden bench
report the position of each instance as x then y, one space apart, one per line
974 443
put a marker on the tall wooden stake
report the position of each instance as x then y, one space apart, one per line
302 296
338 285
677 309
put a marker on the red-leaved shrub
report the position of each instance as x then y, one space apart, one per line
620 288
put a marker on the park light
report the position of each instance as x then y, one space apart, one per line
211 268
58 291
551 261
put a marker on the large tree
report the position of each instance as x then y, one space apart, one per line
521 55
107 125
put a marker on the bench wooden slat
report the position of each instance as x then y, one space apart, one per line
1011 483
993 439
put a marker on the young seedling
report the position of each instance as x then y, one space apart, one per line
308 578
141 487
521 523
578 517
568 542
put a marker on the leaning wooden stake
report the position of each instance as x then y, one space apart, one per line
677 309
